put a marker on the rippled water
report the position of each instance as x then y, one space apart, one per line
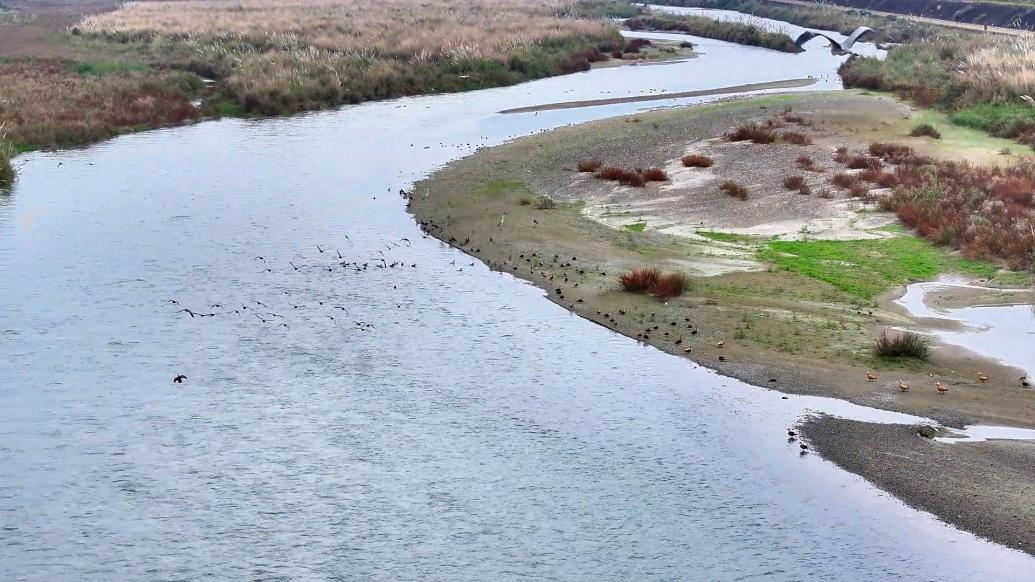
475 431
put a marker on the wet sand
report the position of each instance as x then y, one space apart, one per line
986 487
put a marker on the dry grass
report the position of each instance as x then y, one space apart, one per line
806 163
6 153
276 57
46 103
697 161
793 182
844 180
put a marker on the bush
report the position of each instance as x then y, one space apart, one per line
654 175
861 162
670 285
612 173
734 189
640 280
904 345
796 138
651 280
841 155
806 163
697 161
635 44
843 180
6 153
793 182
545 203
589 165
753 132
925 130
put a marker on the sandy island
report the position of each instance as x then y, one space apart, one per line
524 208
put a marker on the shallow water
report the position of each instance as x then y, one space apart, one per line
1005 333
475 431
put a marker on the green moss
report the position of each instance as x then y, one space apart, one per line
867 268
636 226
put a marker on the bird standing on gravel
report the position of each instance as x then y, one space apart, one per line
941 388
903 386
871 377
983 378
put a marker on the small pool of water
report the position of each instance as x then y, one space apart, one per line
1005 333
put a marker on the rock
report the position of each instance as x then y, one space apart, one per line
927 431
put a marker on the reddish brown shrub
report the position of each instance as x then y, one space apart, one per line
879 177
589 165
793 182
796 138
861 162
843 180
611 173
670 285
841 155
632 179
806 163
753 132
858 190
654 175
734 189
640 280
697 161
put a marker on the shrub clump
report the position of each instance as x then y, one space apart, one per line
806 163
651 280
734 189
751 132
796 138
654 175
793 182
925 130
697 161
904 345
589 165
843 180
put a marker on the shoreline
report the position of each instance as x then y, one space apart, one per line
575 260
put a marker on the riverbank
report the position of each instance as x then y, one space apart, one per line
70 80
804 326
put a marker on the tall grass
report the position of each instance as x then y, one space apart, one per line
275 57
737 32
6 153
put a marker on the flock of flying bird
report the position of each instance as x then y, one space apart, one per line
325 261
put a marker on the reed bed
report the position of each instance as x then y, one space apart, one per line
275 57
737 32
902 345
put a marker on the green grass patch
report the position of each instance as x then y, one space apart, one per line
500 187
636 226
1000 119
728 237
867 268
102 68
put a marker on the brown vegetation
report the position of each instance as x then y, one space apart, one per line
844 180
751 132
806 163
589 165
654 175
793 182
697 161
651 280
734 189
796 138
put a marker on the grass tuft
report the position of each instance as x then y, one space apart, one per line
751 132
903 345
651 280
925 130
796 138
654 175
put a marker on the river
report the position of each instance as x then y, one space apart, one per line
430 420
